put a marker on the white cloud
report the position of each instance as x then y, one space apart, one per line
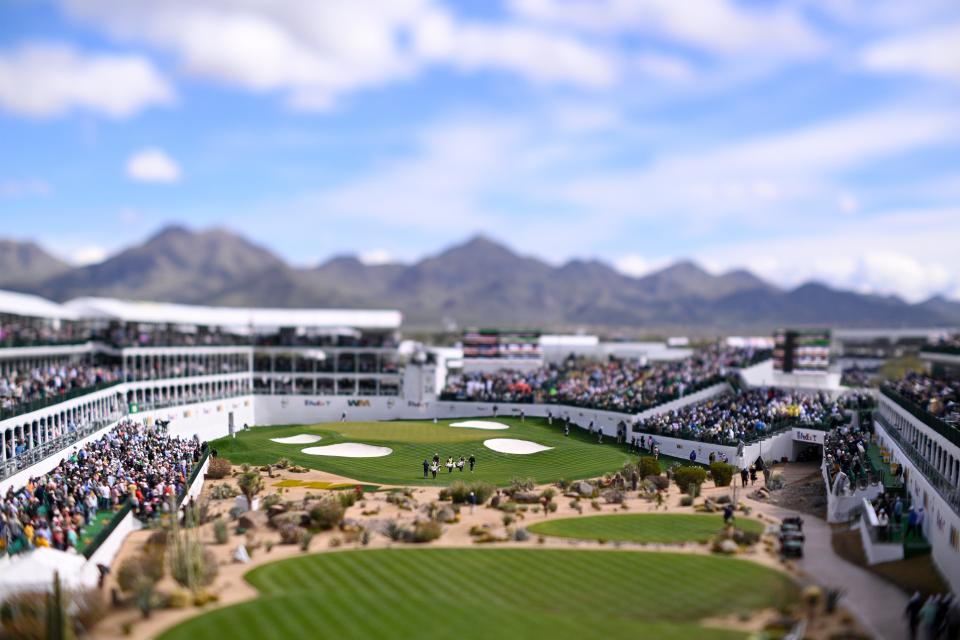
316 52
152 165
891 254
376 257
933 52
636 265
33 187
795 171
89 254
721 27
45 80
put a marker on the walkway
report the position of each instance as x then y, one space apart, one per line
877 604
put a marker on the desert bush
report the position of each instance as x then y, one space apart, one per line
24 615
192 564
776 482
459 491
290 533
220 532
550 507
327 514
686 476
722 473
613 496
424 531
335 542
282 463
271 500
305 541
596 505
224 491
250 483
219 468
347 499
686 501
522 484
648 466
521 535
509 507
508 519
394 531
549 493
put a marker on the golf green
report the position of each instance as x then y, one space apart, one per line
571 457
663 528
493 593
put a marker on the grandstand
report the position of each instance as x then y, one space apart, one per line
112 412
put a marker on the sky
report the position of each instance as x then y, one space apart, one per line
801 139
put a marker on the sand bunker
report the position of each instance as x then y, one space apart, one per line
303 438
479 424
509 445
349 450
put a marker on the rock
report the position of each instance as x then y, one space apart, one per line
709 506
276 510
252 520
446 514
296 518
291 534
526 497
585 489
240 555
728 546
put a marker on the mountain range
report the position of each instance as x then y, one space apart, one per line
478 282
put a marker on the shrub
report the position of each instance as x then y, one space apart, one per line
305 541
549 493
613 496
282 463
722 473
327 514
686 476
686 501
521 535
660 483
220 532
508 519
649 466
595 505
224 491
219 468
459 491
776 482
136 569
550 507
424 531
192 564
522 484
347 499
291 534
394 531
271 500
335 542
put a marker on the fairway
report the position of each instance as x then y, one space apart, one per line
571 457
493 593
661 528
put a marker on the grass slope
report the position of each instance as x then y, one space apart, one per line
493 593
664 528
574 457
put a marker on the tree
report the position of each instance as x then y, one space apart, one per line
58 620
250 484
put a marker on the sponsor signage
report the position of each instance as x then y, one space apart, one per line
358 403
316 403
808 435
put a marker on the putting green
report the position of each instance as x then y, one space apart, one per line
493 593
662 528
572 457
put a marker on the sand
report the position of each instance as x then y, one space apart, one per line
479 424
510 445
303 438
349 450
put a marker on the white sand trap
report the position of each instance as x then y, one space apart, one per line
509 445
349 450
303 438
479 424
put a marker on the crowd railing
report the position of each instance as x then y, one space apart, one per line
49 401
945 429
51 447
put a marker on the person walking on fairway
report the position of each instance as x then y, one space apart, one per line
450 464
744 475
473 462
434 467
436 458
343 416
426 467
460 464
566 429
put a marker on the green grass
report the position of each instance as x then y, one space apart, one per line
493 593
574 457
91 531
662 528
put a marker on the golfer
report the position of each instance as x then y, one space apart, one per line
426 467
473 462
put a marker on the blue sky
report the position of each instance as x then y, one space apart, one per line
800 139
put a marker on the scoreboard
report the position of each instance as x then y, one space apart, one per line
801 350
496 344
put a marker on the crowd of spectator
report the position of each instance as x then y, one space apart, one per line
22 387
939 396
18 331
846 451
628 386
744 416
132 461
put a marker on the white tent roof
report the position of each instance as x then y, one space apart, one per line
167 313
23 304
33 571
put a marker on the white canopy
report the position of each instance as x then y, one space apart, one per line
23 304
33 571
167 313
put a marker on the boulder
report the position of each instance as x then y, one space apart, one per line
252 520
585 489
526 497
275 510
296 518
728 546
446 514
240 555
